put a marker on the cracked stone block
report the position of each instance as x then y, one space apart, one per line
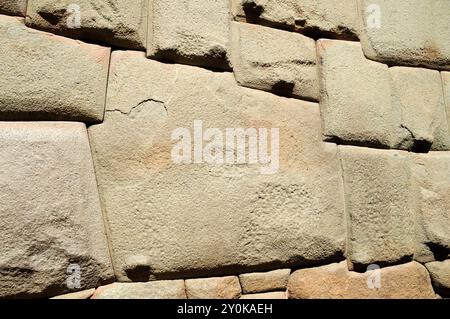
412 32
192 32
335 281
164 289
48 77
213 288
13 7
430 192
264 281
266 295
440 276
168 217
273 60
113 22
324 18
377 196
446 84
51 223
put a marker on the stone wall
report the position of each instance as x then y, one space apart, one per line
353 201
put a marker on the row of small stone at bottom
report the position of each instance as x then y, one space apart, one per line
333 281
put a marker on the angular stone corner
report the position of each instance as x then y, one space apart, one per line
430 195
412 32
164 289
440 276
192 32
85 294
264 281
213 288
165 222
114 22
13 7
326 18
51 223
335 281
377 203
47 77
266 295
273 60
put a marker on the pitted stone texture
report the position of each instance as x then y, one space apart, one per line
85 294
417 93
213 288
431 189
114 22
355 95
379 217
190 32
440 276
164 289
334 281
264 281
13 7
412 32
328 18
47 77
168 219
266 295
51 221
274 60
446 84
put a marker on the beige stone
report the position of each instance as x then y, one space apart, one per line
13 7
168 219
446 84
51 223
213 288
115 22
47 77
379 215
440 276
266 295
335 281
412 32
264 281
273 60
164 289
190 32
85 294
327 18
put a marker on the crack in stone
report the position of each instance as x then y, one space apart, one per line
138 105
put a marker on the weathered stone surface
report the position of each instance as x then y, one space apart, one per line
334 281
115 22
329 18
417 93
379 217
51 222
266 295
47 77
164 289
355 95
440 276
412 32
13 7
430 195
274 60
446 84
168 219
264 281
189 31
85 294
213 288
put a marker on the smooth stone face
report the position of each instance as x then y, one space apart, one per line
380 219
412 32
164 289
334 281
13 7
213 288
446 84
264 281
51 223
47 77
192 32
277 61
168 219
115 22
328 18
440 276
85 294
266 295
430 195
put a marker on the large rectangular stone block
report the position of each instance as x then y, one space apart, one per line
48 77
204 217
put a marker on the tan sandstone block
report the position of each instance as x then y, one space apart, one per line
213 288
13 7
85 294
446 85
440 276
266 295
164 289
264 281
